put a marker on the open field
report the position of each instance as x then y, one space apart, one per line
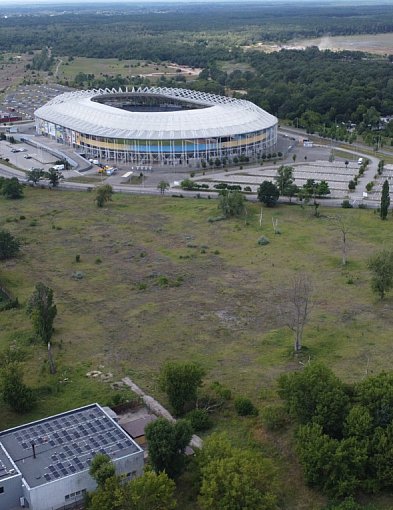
68 69
161 282
379 44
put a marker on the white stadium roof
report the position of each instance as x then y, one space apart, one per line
221 116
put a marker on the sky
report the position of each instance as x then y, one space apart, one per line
65 2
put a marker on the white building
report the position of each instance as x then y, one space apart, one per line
44 465
157 125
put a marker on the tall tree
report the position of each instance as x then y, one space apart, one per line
54 177
9 245
181 381
297 308
341 224
234 478
268 193
101 468
285 180
35 174
42 311
151 491
385 200
167 442
381 266
14 392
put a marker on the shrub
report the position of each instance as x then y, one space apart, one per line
263 241
98 260
199 420
8 305
247 189
346 204
275 417
213 219
77 258
244 407
369 186
352 185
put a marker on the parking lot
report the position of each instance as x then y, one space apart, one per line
26 157
27 98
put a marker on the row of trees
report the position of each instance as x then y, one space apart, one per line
345 433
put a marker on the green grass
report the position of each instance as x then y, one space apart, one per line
113 67
223 310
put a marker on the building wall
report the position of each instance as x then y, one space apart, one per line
150 151
12 492
52 495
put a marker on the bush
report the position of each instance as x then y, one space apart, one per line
346 204
213 219
9 304
199 420
369 186
247 189
244 407
352 185
9 245
275 417
263 241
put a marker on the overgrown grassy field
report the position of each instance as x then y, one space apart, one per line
160 282
112 67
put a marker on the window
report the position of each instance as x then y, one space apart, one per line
1 490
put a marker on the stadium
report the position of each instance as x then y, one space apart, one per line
152 125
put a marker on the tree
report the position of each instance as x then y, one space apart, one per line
101 468
232 478
109 496
268 193
166 443
151 491
35 174
181 381
42 311
12 188
316 395
14 392
9 245
54 177
285 180
381 266
323 189
341 224
103 195
231 203
163 186
385 200
297 308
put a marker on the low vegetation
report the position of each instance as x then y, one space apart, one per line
224 317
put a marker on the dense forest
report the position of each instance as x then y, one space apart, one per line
186 34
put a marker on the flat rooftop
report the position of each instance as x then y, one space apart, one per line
64 444
7 469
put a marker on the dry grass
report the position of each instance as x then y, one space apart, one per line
161 282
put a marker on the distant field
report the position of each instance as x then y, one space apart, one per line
113 67
161 282
380 43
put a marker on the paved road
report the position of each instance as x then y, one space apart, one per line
151 189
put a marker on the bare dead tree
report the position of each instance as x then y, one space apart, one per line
298 306
275 225
340 224
52 366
